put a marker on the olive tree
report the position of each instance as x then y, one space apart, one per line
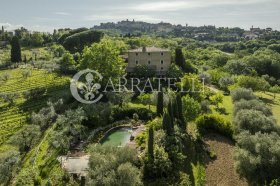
257 157
254 121
242 93
68 129
110 165
27 137
275 90
225 82
8 162
9 98
253 105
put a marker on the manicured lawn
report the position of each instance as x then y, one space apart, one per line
139 105
228 105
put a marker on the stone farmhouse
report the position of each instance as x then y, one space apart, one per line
156 59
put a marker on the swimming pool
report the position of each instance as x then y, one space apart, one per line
117 137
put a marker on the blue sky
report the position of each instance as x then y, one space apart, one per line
45 15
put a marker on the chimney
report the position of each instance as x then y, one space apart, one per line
144 49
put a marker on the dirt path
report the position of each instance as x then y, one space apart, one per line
221 171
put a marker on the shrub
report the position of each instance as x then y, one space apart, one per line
205 106
217 99
155 123
191 108
121 113
242 93
5 77
184 179
141 140
212 155
26 73
214 122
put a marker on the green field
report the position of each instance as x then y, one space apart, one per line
15 116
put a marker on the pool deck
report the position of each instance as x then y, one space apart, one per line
135 133
75 165
78 163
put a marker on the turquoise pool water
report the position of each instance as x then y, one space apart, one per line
117 137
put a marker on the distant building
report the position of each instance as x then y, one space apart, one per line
255 30
156 59
250 36
268 29
254 33
3 44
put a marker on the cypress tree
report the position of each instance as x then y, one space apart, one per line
166 124
175 109
180 111
15 50
160 103
179 58
171 114
151 143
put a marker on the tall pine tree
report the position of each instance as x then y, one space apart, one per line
151 143
160 103
15 50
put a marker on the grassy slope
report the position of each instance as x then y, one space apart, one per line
14 117
268 98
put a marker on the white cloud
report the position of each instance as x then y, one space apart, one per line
10 27
62 13
175 5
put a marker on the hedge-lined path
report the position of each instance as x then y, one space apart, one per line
221 171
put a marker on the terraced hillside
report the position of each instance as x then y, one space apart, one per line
14 116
